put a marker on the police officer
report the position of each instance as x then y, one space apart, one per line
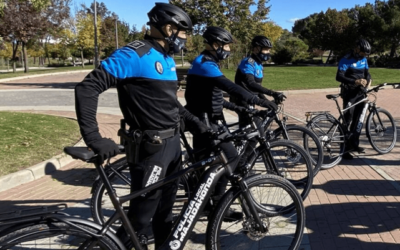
249 75
205 83
354 76
144 74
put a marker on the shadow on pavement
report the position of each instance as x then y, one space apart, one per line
59 85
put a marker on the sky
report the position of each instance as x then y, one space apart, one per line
283 12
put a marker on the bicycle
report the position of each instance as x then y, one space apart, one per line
284 158
333 132
46 229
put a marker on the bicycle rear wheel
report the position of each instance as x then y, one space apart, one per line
292 162
381 130
284 230
306 138
120 179
53 235
332 137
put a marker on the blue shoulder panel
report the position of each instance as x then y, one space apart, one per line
126 63
250 66
347 63
204 68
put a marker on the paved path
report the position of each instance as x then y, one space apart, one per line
355 205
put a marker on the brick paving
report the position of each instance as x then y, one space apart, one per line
355 205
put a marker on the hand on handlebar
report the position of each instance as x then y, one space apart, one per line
267 104
279 97
361 82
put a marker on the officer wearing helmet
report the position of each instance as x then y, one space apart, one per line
353 73
144 71
205 83
249 74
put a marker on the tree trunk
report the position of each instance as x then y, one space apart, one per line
25 55
34 60
393 49
83 64
14 66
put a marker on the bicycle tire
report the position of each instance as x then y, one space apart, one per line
53 235
101 205
381 130
332 138
241 234
307 138
292 161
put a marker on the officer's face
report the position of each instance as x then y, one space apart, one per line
225 47
359 52
265 50
172 29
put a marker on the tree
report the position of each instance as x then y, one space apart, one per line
272 31
85 37
24 20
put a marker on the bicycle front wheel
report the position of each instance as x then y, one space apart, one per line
331 136
54 235
306 138
381 130
289 161
284 230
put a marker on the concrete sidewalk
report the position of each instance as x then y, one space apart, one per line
355 205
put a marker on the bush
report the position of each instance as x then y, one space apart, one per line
282 56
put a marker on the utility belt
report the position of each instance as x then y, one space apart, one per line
133 138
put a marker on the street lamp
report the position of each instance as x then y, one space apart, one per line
96 61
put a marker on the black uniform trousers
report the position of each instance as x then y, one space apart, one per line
351 116
203 142
155 208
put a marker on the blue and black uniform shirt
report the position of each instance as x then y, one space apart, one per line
205 83
146 81
249 75
351 69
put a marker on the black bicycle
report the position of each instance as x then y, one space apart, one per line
280 157
263 199
333 132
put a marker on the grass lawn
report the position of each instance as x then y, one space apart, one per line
43 71
312 77
27 139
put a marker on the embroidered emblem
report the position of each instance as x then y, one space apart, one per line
354 64
258 72
251 60
136 44
159 67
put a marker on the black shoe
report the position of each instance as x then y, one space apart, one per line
232 216
360 150
347 156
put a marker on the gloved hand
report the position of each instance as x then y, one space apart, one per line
267 104
361 82
240 109
104 148
278 97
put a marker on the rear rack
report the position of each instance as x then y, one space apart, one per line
35 211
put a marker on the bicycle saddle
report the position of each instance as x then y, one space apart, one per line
81 153
332 96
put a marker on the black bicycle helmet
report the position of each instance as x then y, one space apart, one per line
217 34
364 46
261 41
164 13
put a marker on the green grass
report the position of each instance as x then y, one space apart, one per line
312 77
43 71
27 139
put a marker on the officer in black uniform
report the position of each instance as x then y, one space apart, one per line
353 73
145 76
203 94
249 75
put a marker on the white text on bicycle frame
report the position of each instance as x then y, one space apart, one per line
361 120
193 209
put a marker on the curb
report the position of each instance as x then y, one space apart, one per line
37 171
46 74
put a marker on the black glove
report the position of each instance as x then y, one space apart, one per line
104 148
267 104
278 97
240 109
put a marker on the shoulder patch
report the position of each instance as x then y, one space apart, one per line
206 58
251 60
141 47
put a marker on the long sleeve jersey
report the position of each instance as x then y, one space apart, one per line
350 69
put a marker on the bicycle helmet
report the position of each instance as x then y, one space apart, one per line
261 41
164 13
217 34
364 46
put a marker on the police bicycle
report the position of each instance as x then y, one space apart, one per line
282 157
333 132
264 201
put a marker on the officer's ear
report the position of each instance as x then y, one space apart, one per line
215 45
167 29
